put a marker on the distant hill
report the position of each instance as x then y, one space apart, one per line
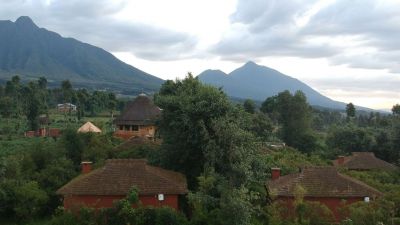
30 52
259 82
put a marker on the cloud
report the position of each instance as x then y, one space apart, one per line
357 33
95 22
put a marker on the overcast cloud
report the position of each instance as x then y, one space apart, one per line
95 22
358 33
336 46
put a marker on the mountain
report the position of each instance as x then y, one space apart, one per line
257 82
30 52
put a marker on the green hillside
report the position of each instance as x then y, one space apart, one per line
30 52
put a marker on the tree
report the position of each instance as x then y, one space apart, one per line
30 199
6 106
395 142
294 115
2 91
206 138
33 112
189 111
74 146
396 110
249 106
42 82
66 88
112 104
350 139
350 110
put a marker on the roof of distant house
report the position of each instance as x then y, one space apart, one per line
89 127
321 182
118 176
140 111
44 120
364 161
136 141
66 104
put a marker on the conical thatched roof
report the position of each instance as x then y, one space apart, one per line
140 111
89 127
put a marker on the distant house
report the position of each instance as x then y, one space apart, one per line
137 119
363 161
321 184
89 127
44 121
101 187
66 107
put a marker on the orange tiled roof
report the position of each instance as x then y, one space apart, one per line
321 182
119 175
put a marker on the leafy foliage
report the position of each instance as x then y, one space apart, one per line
294 115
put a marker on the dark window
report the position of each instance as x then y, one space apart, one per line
121 127
127 127
135 128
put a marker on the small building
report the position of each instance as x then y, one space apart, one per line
101 187
66 107
321 184
49 132
89 127
363 161
137 119
44 121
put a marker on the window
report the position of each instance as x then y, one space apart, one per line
127 127
135 128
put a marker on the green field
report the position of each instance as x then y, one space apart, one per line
12 139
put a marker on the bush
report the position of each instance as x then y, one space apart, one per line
29 200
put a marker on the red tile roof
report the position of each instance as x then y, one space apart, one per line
321 182
140 111
119 175
364 161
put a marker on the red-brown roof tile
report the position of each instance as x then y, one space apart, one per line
321 182
118 176
364 161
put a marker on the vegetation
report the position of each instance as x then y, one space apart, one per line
225 150
58 57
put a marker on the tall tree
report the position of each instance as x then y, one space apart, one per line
203 137
189 111
294 115
396 110
42 82
350 110
33 105
249 106
66 88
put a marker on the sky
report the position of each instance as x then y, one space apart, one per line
348 50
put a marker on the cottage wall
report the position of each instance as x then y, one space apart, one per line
71 202
143 131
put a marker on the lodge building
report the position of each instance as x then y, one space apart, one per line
321 184
363 161
137 119
101 187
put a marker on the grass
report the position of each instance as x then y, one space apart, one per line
43 221
12 139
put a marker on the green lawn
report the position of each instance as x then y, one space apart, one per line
44 221
12 139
